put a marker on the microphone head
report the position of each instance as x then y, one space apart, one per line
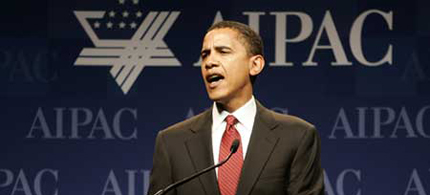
234 146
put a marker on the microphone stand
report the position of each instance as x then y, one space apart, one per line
233 150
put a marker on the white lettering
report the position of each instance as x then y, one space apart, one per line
117 124
83 124
25 187
39 123
8 177
254 20
355 38
111 185
342 123
415 184
419 121
378 122
335 43
340 182
40 176
281 33
103 127
75 112
387 123
22 182
404 118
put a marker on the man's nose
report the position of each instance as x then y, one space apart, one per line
211 62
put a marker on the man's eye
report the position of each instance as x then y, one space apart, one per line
224 51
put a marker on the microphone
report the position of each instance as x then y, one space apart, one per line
233 148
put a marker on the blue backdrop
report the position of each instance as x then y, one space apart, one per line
86 86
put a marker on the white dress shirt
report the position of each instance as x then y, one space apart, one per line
245 115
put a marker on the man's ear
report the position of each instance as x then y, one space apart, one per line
256 65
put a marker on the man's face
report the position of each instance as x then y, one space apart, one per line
226 67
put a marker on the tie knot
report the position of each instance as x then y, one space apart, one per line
231 120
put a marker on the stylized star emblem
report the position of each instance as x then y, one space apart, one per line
133 25
138 14
121 25
128 57
112 14
109 25
96 24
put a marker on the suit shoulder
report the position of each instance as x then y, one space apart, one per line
294 128
292 121
183 126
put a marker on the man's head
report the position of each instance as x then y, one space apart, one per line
232 56
248 37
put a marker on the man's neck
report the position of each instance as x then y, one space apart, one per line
232 106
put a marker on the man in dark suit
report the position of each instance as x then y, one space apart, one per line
278 154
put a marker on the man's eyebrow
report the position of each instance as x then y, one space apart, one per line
204 51
218 48
222 47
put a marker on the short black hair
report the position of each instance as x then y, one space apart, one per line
250 39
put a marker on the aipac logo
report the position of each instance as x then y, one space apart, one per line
126 40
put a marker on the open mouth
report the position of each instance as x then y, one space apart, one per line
214 79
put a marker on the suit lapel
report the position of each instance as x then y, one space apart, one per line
200 151
261 145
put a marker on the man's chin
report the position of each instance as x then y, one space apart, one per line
218 98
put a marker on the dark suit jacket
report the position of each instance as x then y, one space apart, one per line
283 157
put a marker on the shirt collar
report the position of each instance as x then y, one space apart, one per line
245 114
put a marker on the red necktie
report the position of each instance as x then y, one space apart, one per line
229 173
